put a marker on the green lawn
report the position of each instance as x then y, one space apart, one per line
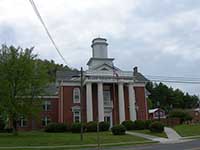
188 130
151 133
57 139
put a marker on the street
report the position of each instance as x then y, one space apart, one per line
192 145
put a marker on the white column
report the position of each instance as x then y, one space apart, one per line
132 109
121 102
89 102
100 102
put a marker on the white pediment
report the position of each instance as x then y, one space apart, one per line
105 67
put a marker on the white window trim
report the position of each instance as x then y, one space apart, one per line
107 96
45 119
22 121
74 116
46 103
74 95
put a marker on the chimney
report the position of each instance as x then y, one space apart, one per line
135 70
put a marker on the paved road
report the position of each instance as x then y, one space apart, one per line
192 145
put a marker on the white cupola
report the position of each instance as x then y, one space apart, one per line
99 54
99 48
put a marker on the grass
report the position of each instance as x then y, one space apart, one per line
151 133
188 130
36 138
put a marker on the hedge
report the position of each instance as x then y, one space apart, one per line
129 124
91 126
184 116
139 125
156 127
57 127
118 130
104 126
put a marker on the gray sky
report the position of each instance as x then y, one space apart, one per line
161 37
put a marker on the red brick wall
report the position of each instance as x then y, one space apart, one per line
95 102
114 97
36 123
126 99
141 102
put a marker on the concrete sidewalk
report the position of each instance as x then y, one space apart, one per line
173 136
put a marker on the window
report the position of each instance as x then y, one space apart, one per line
76 95
46 105
106 97
23 122
77 116
45 121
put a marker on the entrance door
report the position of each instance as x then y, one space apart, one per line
108 118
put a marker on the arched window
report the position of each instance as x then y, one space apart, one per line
76 95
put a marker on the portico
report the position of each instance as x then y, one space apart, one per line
105 98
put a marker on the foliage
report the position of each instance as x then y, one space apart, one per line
51 68
129 124
56 127
21 81
184 116
169 98
118 130
156 127
147 123
104 126
2 124
91 126
139 125
76 128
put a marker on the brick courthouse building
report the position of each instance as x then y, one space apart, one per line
109 94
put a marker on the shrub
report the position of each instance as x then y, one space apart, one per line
104 126
2 124
56 127
118 130
91 126
76 127
156 127
129 124
139 125
184 116
147 123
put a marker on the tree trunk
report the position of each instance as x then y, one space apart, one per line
15 126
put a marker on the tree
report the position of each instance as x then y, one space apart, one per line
22 80
168 97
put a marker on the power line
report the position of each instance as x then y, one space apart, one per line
173 77
46 29
175 81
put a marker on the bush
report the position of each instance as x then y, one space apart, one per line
147 123
156 127
91 126
76 127
2 124
56 127
139 125
129 124
104 126
183 116
118 130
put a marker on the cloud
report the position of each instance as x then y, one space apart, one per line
161 37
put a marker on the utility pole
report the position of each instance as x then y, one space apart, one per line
158 103
81 104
